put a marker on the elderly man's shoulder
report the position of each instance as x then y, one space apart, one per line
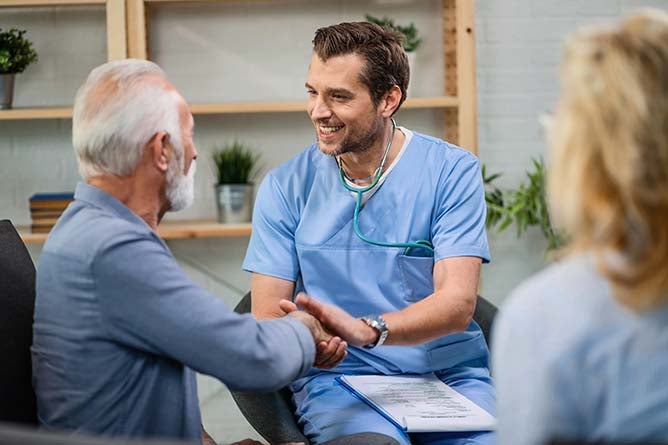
90 229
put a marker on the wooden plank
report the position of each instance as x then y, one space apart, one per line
431 102
170 230
137 31
248 107
202 229
37 113
31 238
466 76
225 108
449 19
31 3
116 26
300 106
209 1
450 47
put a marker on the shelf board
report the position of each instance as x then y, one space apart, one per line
225 108
37 113
300 106
203 1
202 229
20 3
170 230
248 107
431 102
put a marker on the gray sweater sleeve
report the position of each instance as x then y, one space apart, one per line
148 303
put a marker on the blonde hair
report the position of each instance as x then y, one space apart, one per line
608 184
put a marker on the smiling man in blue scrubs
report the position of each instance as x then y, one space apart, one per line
379 221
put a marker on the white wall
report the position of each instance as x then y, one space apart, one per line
260 51
518 51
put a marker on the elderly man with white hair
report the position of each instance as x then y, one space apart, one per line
119 328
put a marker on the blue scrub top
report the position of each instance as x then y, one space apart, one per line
303 232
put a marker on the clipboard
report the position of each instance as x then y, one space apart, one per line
419 404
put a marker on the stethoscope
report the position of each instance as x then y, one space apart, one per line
419 244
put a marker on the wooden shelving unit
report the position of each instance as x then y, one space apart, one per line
224 108
116 22
127 37
170 230
459 102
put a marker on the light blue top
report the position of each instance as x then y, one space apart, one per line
571 362
303 232
119 329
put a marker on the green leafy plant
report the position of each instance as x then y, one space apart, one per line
410 33
493 198
16 52
236 163
524 206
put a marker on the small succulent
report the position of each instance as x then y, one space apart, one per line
236 163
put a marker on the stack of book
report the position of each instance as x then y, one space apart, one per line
46 208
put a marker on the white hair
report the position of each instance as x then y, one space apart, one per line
117 111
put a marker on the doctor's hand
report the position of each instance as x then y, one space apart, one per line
330 350
351 329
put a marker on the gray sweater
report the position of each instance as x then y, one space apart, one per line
571 362
119 329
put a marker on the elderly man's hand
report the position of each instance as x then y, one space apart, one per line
353 330
330 350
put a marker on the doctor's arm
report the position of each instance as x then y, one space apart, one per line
266 294
448 310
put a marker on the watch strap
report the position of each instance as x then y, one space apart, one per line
378 323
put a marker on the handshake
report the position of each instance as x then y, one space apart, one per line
333 329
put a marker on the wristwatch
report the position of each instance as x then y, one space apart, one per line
379 324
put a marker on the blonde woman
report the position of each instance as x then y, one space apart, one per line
581 349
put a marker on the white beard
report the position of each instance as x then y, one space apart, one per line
180 187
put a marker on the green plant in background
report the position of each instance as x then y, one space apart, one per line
494 199
525 206
16 52
411 39
236 163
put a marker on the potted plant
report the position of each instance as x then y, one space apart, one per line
411 39
16 53
236 165
525 206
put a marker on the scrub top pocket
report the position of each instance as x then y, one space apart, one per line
417 279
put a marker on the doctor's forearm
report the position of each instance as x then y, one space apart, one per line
431 318
266 292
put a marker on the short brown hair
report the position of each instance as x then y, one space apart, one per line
609 177
386 63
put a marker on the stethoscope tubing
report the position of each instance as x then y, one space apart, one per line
419 244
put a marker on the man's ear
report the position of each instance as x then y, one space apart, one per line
160 150
390 101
